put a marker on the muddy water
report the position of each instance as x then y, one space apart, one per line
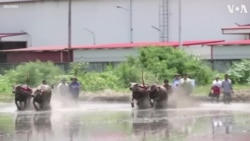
117 122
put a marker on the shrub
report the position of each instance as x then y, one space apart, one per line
78 68
165 62
6 87
94 81
35 72
240 72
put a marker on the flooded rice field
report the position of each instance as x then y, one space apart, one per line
118 122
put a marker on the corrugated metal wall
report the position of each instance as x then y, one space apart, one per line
18 57
104 55
231 52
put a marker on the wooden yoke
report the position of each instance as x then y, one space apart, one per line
143 84
27 78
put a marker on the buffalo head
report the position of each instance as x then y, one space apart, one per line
154 88
137 87
37 92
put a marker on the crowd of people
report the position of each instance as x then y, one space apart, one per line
72 89
218 87
221 86
179 81
69 90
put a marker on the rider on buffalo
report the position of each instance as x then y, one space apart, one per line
42 96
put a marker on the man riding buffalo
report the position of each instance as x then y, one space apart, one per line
159 96
140 95
42 96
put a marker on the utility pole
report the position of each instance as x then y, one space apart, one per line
131 20
180 24
69 32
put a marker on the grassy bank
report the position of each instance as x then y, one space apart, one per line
204 90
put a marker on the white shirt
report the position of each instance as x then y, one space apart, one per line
176 83
187 81
217 83
187 85
43 87
63 88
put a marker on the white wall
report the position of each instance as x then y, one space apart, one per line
46 21
104 55
204 52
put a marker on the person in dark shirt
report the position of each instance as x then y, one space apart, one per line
167 86
74 88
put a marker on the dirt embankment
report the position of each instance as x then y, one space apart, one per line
111 96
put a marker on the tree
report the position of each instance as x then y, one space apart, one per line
165 62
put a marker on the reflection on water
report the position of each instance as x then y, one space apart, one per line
23 123
138 125
150 123
42 125
74 126
222 121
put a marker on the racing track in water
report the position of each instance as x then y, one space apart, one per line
90 121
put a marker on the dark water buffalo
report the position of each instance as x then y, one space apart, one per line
158 96
42 96
22 96
140 95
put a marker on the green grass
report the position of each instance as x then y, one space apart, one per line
6 97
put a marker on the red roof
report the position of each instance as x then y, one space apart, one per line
230 43
113 46
236 27
37 49
19 1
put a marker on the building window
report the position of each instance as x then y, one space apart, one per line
101 66
221 66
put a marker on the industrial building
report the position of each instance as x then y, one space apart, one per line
120 23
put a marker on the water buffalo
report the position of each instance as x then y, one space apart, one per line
140 95
22 96
42 96
158 96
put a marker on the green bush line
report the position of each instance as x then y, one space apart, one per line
154 63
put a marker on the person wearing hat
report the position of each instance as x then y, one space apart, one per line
74 88
63 88
216 88
227 89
